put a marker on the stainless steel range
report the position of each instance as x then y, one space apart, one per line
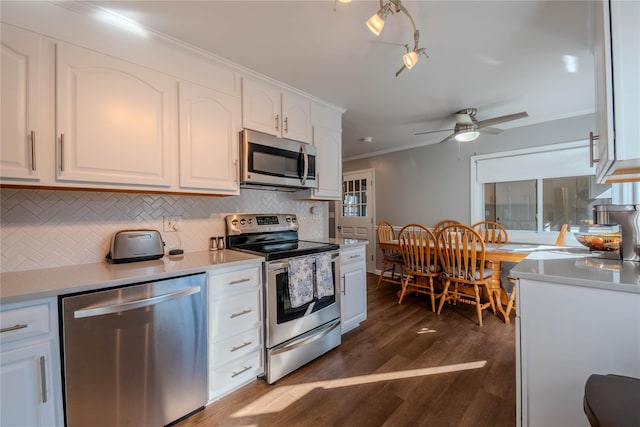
302 299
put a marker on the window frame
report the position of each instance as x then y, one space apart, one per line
573 149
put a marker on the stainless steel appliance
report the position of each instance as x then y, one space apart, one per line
271 162
135 245
628 218
294 336
135 355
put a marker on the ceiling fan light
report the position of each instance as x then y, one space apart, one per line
410 59
467 135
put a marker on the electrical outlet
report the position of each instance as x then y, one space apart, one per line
172 223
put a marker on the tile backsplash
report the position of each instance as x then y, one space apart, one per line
52 228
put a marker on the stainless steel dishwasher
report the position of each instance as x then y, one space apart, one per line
135 355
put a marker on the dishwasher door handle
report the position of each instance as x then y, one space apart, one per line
132 305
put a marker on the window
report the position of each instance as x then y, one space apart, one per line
354 197
532 192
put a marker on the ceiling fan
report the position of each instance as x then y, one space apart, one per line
468 128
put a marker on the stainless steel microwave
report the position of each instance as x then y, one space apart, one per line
269 161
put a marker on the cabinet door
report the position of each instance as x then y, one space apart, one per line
209 126
604 89
26 381
329 162
296 117
353 300
114 120
261 107
20 100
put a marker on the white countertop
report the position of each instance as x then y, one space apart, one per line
50 282
579 268
346 243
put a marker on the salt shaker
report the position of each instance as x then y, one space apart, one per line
213 244
220 242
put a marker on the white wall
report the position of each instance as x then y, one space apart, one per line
49 228
431 183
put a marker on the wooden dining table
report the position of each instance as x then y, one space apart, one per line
495 255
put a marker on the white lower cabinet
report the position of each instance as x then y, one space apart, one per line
30 375
564 334
235 328
353 297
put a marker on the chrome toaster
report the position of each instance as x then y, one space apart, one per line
135 245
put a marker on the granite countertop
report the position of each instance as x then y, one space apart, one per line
579 268
50 282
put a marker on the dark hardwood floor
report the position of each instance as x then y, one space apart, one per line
404 366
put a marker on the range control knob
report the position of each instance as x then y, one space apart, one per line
288 219
234 222
294 219
249 221
243 221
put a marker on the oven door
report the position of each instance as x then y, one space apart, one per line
284 322
268 160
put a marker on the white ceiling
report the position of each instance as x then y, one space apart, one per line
501 57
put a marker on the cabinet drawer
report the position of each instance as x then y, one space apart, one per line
225 350
352 255
238 313
234 374
24 323
233 282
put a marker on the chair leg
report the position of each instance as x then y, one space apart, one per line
443 297
494 298
384 268
405 284
478 304
511 303
433 295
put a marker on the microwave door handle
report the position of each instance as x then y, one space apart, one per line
305 171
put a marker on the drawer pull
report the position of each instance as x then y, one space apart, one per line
241 371
237 282
43 380
14 327
243 345
243 312
354 256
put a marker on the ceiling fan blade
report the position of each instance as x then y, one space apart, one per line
450 137
490 130
433 131
502 119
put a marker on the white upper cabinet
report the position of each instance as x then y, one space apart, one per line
209 127
271 110
22 133
327 138
114 120
617 60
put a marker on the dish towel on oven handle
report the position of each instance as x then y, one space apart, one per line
324 276
300 281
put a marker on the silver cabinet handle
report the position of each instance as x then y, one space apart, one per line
277 121
243 345
33 150
242 313
62 152
344 285
235 164
241 371
592 138
132 305
43 379
237 282
354 256
286 124
14 327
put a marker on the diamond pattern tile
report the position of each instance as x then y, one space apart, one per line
46 228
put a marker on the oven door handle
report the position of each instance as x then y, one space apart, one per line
281 267
306 338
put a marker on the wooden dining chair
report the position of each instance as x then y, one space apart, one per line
442 225
419 251
491 232
462 260
391 259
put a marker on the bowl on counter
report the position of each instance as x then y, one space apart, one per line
608 242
